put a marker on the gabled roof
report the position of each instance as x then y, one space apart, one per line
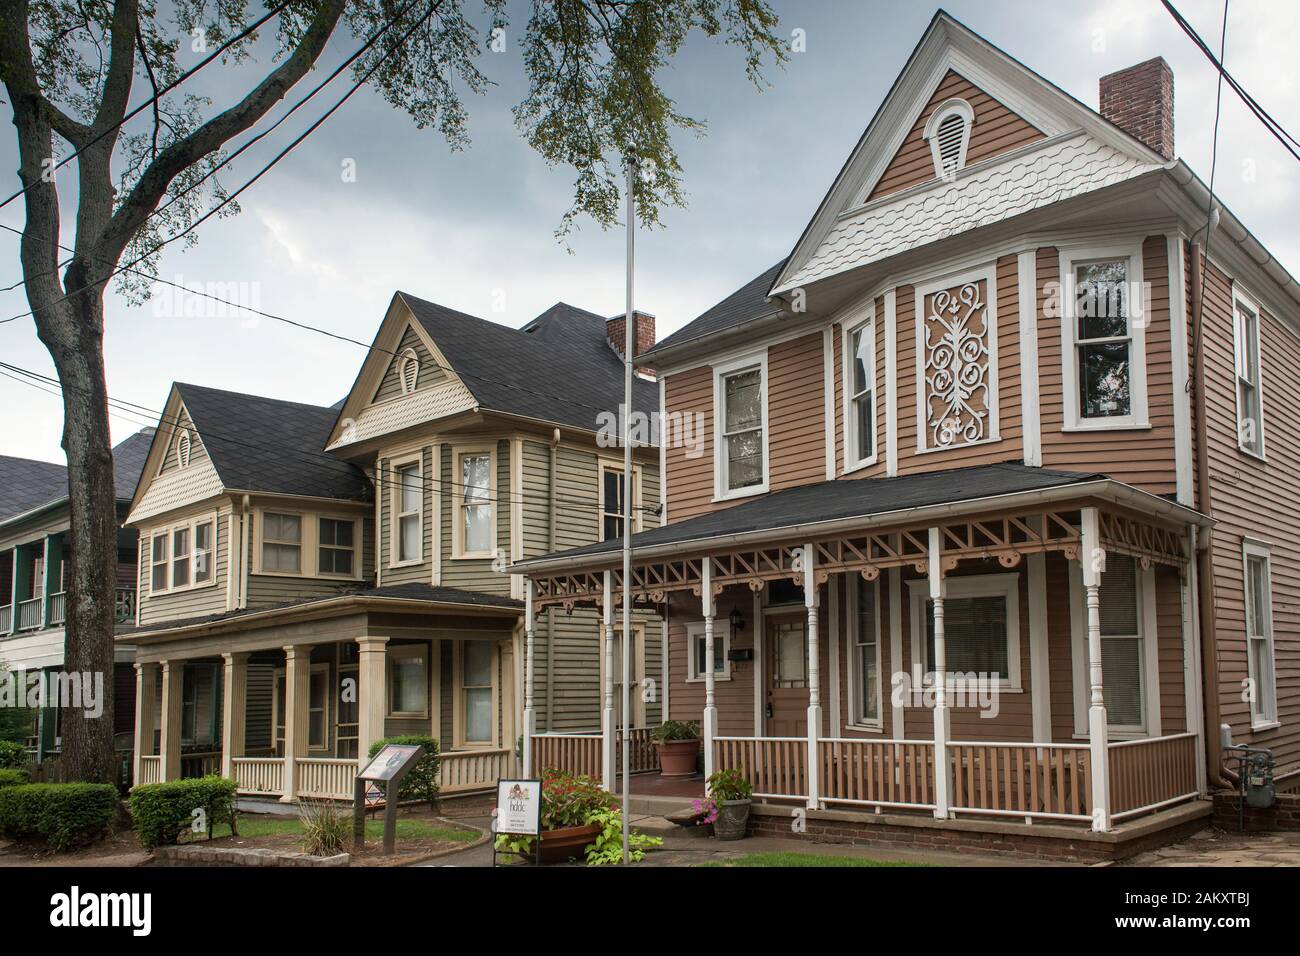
748 302
129 457
558 369
269 445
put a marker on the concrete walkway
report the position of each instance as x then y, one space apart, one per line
1214 847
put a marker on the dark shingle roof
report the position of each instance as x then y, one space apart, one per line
847 498
747 302
128 461
559 368
269 445
26 484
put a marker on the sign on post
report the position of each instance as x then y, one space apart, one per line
388 767
519 812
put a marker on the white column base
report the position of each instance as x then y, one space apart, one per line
814 770
1100 753
710 731
942 770
530 728
607 750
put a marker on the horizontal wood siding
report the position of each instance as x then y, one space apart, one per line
430 373
475 574
796 403
735 697
422 572
690 479
194 602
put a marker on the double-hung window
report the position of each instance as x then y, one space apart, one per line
1122 651
741 414
864 621
203 544
281 543
860 395
475 679
336 548
981 628
1259 635
1250 408
318 708
410 505
476 527
408 680
158 562
1104 320
612 498
181 557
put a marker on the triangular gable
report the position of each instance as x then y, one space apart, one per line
948 48
164 483
184 446
422 373
996 129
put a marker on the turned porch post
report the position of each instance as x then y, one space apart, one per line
372 693
297 689
173 673
146 687
810 600
938 591
607 735
710 705
1093 558
530 713
233 704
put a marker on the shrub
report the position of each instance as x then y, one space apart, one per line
13 778
421 781
60 814
676 730
12 755
324 828
162 811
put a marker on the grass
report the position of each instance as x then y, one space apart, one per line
789 859
254 827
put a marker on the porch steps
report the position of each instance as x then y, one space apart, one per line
656 806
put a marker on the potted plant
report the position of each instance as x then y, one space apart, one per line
571 818
678 741
730 795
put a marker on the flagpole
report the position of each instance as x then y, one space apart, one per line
628 350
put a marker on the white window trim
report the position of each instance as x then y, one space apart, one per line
328 745
357 546
169 530
855 721
867 324
458 698
608 464
1251 548
1006 585
1241 297
458 552
989 273
721 645
638 667
306 542
722 371
397 652
395 509
1137 417
956 106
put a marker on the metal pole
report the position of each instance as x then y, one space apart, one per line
628 348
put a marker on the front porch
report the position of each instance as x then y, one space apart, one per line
1063 621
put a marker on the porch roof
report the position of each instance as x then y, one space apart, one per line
819 508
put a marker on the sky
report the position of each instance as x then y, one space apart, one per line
474 230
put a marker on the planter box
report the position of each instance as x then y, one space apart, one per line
558 846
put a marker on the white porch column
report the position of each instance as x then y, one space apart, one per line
170 750
530 713
607 733
710 705
372 693
811 603
233 705
1093 558
146 688
942 771
297 687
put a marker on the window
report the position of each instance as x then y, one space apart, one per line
1122 651
1259 636
790 652
1250 411
180 557
948 133
281 543
859 405
864 621
1103 322
981 618
612 487
318 708
699 650
408 680
740 405
349 712
409 539
336 551
199 696
203 552
158 563
475 524
475 674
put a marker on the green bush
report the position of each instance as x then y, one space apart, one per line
162 811
12 755
60 814
13 778
421 781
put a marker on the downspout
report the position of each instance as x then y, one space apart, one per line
1215 770
552 535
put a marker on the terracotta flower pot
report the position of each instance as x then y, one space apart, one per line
559 845
733 816
677 757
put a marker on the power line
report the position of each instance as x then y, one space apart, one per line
243 34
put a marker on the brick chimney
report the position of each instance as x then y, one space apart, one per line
1140 101
616 332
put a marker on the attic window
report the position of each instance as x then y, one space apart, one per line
948 133
409 370
183 449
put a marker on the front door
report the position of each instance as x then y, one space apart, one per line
786 653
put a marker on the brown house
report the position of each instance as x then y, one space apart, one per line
979 424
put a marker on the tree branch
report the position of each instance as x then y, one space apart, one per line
18 74
121 65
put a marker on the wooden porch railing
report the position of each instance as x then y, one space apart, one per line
200 764
644 755
1151 773
259 775
882 773
1051 781
774 766
6 618
325 777
58 608
462 771
570 753
29 614
150 770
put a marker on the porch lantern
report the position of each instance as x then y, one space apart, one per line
737 622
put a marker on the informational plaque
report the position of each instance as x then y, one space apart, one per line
392 758
519 806
388 767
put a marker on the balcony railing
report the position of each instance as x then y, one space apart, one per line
124 606
29 614
58 608
6 618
